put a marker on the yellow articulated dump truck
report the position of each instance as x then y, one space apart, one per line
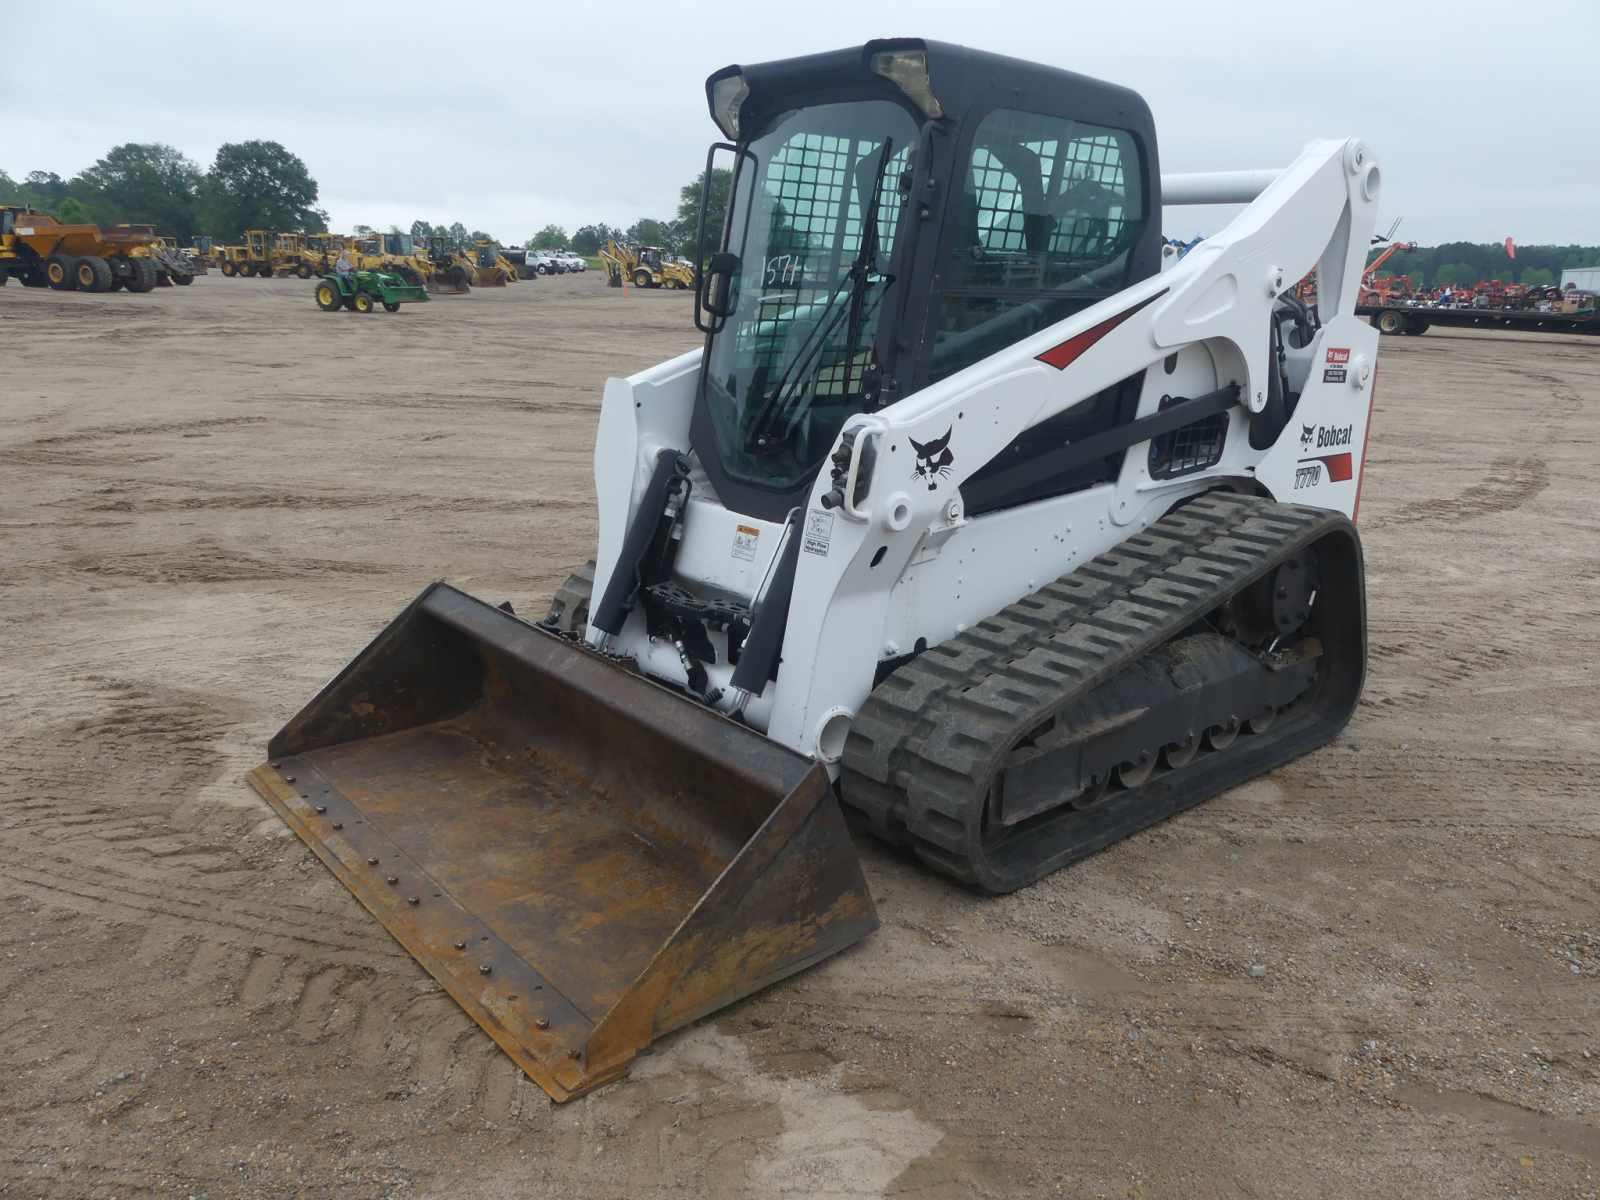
40 251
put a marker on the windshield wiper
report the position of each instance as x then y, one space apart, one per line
862 269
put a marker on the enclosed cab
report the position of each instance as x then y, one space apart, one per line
1004 196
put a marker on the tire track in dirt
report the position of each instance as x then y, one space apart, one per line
383 1011
80 448
162 882
1508 483
324 979
205 560
1420 666
241 502
319 968
129 867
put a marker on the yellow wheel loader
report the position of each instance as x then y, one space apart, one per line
980 513
394 254
490 268
203 252
449 271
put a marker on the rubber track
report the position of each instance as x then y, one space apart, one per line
925 746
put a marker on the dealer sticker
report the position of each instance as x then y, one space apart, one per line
744 542
1334 372
819 533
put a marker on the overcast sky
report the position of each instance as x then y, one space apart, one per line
507 116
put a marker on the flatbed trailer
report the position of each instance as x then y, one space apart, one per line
1399 318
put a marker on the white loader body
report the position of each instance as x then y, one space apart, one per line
906 563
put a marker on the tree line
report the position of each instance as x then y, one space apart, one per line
263 185
676 235
249 185
1454 264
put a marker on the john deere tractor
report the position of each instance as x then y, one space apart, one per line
363 291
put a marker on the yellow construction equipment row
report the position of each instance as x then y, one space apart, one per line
42 252
442 267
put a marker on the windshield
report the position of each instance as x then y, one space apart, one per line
778 390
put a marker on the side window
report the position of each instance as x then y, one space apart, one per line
811 208
1045 224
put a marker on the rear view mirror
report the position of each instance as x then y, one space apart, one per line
714 288
717 296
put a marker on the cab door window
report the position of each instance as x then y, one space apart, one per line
1045 224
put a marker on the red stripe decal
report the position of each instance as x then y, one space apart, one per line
1062 356
1340 468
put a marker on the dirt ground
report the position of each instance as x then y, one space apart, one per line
211 497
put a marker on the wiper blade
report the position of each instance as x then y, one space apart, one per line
858 278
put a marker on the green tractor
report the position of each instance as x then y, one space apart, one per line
365 290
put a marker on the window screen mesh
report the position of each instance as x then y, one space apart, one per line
1048 217
813 197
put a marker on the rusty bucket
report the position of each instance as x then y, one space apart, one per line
583 859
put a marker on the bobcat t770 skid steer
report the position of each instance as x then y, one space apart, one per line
981 512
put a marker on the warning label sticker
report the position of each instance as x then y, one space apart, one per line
744 542
818 534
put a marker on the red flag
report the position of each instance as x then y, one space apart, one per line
1511 248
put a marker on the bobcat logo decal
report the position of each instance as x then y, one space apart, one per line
933 458
1308 434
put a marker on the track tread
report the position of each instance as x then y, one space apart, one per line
923 748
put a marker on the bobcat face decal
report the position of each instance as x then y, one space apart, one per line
1308 434
933 458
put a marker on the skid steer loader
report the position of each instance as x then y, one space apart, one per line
980 512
